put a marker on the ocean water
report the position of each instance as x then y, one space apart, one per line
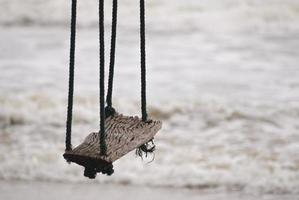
223 76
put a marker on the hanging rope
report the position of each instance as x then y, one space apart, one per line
148 147
109 108
143 60
68 139
103 146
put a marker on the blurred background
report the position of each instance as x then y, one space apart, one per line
223 76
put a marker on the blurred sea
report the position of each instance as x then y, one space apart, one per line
222 75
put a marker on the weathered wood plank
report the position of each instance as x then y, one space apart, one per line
123 134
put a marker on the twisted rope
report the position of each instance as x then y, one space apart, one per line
103 146
68 139
112 54
148 147
143 60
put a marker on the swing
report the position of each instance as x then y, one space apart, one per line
118 134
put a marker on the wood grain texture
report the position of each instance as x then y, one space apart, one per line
123 134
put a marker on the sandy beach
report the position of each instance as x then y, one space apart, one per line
18 190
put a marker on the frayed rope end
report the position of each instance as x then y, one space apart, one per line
146 148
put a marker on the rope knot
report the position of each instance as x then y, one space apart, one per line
109 111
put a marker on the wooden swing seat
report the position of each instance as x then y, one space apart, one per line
123 134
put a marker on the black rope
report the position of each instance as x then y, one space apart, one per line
112 55
143 60
68 139
102 134
148 147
